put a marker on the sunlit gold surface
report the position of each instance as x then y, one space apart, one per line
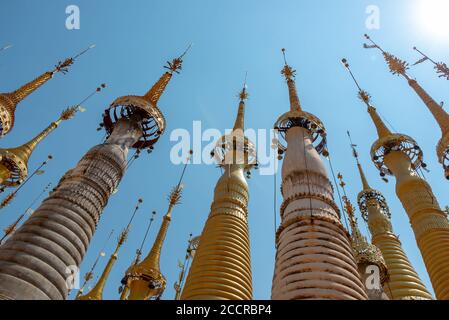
221 268
14 161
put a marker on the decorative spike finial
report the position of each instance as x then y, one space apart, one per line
243 95
350 210
63 66
174 66
396 65
359 166
441 68
14 161
290 74
382 129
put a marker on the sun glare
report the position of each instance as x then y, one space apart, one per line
433 17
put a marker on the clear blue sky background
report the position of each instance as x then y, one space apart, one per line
135 38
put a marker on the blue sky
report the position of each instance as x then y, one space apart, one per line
135 38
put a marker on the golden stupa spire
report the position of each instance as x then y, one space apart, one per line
289 74
239 124
9 101
400 67
144 107
97 291
90 274
146 281
382 129
366 254
124 288
14 161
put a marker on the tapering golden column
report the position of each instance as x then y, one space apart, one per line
403 282
34 262
367 255
14 161
400 67
314 258
9 101
124 288
399 155
144 280
97 291
221 269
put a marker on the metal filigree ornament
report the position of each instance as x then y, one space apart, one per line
127 107
299 118
443 153
371 197
235 148
400 143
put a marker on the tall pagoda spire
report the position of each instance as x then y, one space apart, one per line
9 101
367 255
400 155
14 161
400 67
97 291
124 289
403 283
145 279
75 206
310 263
221 268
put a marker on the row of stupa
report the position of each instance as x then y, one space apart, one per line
317 258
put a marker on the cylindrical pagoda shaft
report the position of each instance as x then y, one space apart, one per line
221 268
314 258
36 262
429 223
404 282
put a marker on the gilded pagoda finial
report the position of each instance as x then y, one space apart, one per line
388 141
290 74
124 288
365 253
9 101
400 67
396 65
441 68
365 97
239 125
144 108
359 166
14 161
97 292
144 280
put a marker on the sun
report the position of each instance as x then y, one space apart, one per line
433 17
